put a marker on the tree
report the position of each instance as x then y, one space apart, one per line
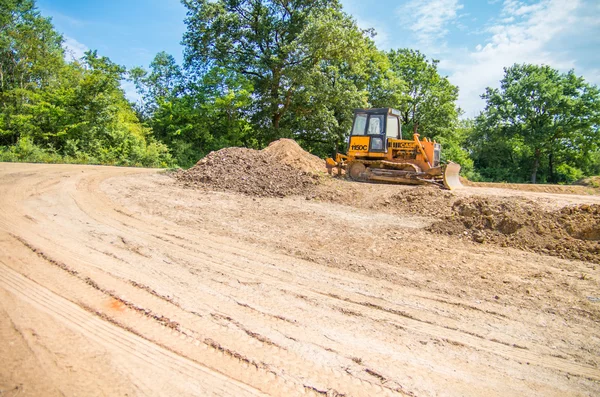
30 49
295 55
427 104
164 82
30 56
428 101
321 111
193 113
542 120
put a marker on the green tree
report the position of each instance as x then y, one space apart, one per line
539 122
305 60
321 110
30 56
427 104
164 82
30 49
428 101
193 114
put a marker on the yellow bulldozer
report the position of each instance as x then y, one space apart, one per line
377 152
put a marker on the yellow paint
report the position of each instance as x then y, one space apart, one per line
359 146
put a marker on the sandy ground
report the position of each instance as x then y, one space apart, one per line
118 281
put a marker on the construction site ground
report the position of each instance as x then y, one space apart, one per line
123 281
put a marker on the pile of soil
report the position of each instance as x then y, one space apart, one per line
287 151
572 232
423 200
283 169
592 181
577 188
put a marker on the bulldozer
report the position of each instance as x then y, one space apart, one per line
377 152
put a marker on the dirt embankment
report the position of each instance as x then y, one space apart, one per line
583 187
285 169
282 169
590 182
571 233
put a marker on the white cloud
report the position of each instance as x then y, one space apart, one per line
429 19
74 50
130 91
524 33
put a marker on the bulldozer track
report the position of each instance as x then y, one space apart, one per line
203 333
239 318
98 330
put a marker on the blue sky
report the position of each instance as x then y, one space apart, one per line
473 39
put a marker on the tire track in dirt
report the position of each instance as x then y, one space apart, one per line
231 270
220 261
204 332
94 328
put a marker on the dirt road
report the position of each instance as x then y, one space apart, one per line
119 281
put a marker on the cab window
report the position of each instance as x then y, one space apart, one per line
375 125
392 127
360 124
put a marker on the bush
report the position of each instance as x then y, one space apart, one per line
568 174
153 154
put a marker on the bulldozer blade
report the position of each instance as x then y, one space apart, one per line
451 176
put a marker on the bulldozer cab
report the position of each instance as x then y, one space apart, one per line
370 130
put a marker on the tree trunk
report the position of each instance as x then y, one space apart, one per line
276 118
551 167
536 165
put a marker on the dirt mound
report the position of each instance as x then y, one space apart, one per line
252 172
592 181
287 151
583 189
419 200
424 200
572 232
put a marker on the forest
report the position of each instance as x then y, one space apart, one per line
258 70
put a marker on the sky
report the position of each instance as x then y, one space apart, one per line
473 39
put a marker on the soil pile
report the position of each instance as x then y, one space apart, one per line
577 188
592 181
287 151
424 200
278 171
572 232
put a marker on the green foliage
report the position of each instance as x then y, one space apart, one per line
540 125
30 48
427 103
52 110
428 100
454 142
307 62
272 43
568 174
193 118
321 108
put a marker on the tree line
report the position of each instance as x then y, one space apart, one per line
259 70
